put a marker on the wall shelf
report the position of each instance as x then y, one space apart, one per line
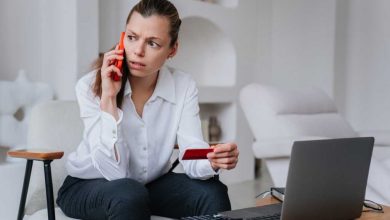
209 94
226 116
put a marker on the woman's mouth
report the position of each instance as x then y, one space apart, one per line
136 65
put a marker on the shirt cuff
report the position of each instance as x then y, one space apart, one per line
110 129
207 170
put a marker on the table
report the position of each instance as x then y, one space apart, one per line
365 215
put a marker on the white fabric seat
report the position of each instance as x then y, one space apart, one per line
278 117
53 125
42 214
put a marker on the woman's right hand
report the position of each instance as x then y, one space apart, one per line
110 87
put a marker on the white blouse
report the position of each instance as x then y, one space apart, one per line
144 145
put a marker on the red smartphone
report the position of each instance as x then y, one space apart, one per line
197 153
118 63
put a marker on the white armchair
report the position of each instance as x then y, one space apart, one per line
54 125
278 117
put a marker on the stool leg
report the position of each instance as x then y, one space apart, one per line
26 182
49 190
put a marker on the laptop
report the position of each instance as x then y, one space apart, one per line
326 180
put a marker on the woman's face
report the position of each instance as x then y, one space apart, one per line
147 44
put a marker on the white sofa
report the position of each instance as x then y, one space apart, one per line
53 125
278 117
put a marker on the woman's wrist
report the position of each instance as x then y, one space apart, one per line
215 168
108 104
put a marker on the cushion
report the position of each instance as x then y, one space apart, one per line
42 214
54 125
265 108
326 125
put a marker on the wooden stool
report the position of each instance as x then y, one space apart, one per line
46 157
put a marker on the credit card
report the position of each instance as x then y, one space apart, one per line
197 153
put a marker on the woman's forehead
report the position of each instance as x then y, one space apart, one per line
151 26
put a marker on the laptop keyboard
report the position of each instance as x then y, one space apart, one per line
220 217
205 217
267 212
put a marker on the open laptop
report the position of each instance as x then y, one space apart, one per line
326 180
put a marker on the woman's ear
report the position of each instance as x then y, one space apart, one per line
173 50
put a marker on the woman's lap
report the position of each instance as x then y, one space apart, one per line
172 195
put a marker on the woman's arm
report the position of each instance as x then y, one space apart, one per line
102 134
190 135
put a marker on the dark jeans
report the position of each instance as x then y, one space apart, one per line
172 195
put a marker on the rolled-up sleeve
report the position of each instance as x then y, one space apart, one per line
102 135
189 135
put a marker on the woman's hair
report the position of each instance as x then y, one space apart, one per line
146 8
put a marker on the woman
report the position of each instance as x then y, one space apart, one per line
120 169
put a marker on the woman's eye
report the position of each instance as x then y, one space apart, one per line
153 44
131 37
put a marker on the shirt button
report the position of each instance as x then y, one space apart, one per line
144 170
144 148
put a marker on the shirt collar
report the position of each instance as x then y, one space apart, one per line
165 87
127 88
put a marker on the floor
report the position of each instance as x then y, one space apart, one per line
243 195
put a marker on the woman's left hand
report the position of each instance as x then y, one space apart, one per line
225 156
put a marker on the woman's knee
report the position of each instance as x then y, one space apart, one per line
213 197
127 197
127 190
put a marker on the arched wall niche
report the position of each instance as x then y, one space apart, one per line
205 52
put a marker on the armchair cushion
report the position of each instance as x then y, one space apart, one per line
330 125
42 214
54 125
279 112
278 147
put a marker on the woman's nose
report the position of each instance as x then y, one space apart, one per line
139 49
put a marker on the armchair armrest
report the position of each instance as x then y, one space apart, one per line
382 137
278 147
35 154
46 156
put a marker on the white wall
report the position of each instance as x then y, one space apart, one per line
365 80
112 19
53 40
297 43
87 34
20 43
264 42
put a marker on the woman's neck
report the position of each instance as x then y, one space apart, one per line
143 84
